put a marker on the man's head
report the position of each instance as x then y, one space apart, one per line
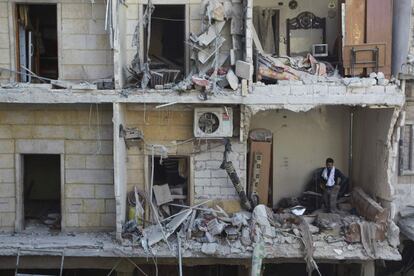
329 162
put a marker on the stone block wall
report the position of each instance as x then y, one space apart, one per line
83 134
83 44
86 52
170 127
5 61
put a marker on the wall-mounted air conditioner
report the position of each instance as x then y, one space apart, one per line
213 122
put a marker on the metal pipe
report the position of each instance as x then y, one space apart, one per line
350 156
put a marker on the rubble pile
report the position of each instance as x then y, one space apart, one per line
262 232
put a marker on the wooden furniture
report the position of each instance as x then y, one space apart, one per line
304 21
369 56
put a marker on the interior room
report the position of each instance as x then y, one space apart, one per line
37 49
42 192
343 37
171 183
302 141
167 48
274 37
326 132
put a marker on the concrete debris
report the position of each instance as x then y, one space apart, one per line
244 69
207 37
207 53
215 227
367 207
232 79
393 234
209 248
162 194
215 10
213 232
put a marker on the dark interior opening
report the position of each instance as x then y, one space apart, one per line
167 44
174 172
37 42
41 180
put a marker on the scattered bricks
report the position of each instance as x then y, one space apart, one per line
7 190
202 174
6 161
94 205
77 176
104 191
73 205
7 205
6 146
110 206
72 220
244 69
75 161
89 220
79 191
6 176
108 220
367 207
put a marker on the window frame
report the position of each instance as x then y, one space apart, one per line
401 170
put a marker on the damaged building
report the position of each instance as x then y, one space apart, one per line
205 137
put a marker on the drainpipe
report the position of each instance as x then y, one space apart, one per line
351 130
400 33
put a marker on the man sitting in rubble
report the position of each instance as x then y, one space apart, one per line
334 183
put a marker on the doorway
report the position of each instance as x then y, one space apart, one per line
167 44
36 38
171 183
42 191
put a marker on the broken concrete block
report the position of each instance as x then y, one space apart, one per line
162 194
244 88
232 79
244 69
207 37
367 207
207 53
209 248
215 10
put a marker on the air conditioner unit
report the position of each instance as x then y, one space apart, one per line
213 122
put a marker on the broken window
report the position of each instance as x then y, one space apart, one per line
406 150
166 52
171 183
41 192
36 38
